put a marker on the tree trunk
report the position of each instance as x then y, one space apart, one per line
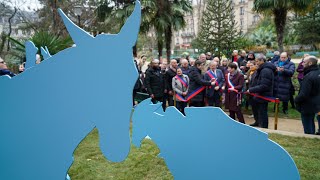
10 28
3 42
280 19
160 47
168 36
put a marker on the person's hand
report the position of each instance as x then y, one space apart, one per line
213 80
247 81
245 76
242 67
152 96
216 88
165 91
281 69
223 88
213 83
248 91
170 93
184 93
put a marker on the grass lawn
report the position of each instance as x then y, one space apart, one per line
143 163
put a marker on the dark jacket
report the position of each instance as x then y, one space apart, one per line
196 81
154 82
168 78
308 99
241 61
137 85
263 82
231 96
220 79
282 82
185 70
275 58
6 72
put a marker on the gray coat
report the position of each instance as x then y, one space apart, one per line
177 85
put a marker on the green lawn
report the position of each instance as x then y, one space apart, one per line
143 163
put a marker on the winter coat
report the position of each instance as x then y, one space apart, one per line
178 87
275 58
263 82
6 72
196 82
300 70
308 99
242 61
168 78
220 79
185 70
231 97
137 85
154 82
282 80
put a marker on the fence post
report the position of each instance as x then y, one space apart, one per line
276 114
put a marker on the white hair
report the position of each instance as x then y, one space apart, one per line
213 62
184 61
276 53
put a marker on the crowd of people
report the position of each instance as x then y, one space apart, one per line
242 81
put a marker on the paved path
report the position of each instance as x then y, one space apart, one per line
290 127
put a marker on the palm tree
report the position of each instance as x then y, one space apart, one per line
162 16
175 10
279 9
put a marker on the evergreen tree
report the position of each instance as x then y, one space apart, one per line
218 31
308 27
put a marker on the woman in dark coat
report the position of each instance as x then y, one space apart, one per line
196 82
234 82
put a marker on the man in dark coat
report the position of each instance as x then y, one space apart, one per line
308 99
275 57
213 93
196 81
262 85
285 71
234 82
4 69
171 72
154 83
184 65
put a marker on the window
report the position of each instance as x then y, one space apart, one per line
241 11
256 18
241 22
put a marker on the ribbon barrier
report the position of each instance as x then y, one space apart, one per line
273 100
270 99
193 94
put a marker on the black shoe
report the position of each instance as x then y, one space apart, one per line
318 133
255 124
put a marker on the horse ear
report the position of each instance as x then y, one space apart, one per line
130 29
78 35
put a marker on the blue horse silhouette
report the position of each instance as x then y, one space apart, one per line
207 144
49 109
